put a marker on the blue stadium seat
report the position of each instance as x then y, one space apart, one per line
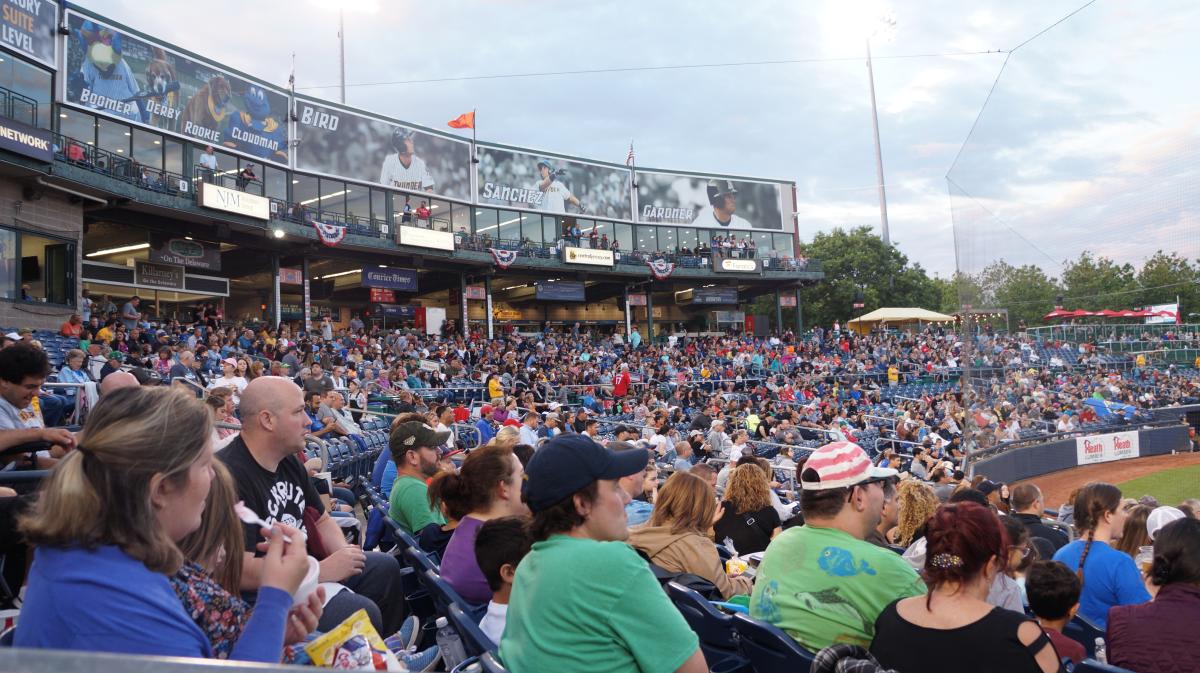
1093 666
445 596
1084 633
769 649
718 640
475 640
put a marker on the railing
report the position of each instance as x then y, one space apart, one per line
119 167
15 106
229 178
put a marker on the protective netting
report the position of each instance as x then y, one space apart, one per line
1081 167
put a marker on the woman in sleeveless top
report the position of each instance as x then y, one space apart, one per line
953 628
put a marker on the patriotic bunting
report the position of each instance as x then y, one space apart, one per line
504 258
330 234
661 269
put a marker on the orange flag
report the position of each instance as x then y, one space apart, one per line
465 120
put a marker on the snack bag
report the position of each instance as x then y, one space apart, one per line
353 645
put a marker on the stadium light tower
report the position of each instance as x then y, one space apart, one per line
883 29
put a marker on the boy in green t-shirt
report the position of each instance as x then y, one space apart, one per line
823 583
582 599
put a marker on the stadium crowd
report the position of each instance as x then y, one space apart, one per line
555 482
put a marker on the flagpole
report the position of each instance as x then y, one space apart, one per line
474 149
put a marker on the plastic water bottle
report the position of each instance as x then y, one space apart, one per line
1101 651
449 644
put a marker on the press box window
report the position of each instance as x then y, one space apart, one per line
44 268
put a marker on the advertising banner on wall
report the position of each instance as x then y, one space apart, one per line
28 27
715 295
123 76
515 179
562 290
357 146
404 280
182 252
587 256
710 202
1106 448
723 264
24 139
165 276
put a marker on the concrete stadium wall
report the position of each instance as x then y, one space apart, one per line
1033 461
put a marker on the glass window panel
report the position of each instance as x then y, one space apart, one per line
486 220
531 227
551 231
668 239
647 239
114 137
333 196
460 217
80 126
31 82
762 242
47 266
174 157
783 243
624 235
439 214
379 199
275 182
510 225
687 238
358 202
304 191
147 149
226 165
9 263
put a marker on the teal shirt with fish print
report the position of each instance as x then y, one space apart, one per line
823 586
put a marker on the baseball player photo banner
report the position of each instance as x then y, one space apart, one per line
709 202
115 73
550 184
340 143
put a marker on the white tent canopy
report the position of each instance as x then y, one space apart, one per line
907 315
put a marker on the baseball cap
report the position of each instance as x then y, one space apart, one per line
229 361
568 463
14 336
986 487
838 465
415 434
1160 517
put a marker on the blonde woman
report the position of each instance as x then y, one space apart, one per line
747 518
678 536
107 523
917 503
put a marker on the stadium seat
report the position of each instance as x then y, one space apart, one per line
473 637
715 629
1093 666
769 649
1084 633
445 596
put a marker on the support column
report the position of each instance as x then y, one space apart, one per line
628 316
307 295
799 314
487 289
462 296
276 299
778 313
649 316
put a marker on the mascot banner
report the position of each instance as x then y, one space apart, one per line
710 202
118 74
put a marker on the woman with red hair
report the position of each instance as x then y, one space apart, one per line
953 627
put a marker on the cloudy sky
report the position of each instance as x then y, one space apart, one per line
1088 140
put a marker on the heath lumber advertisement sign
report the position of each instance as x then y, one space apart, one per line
1106 448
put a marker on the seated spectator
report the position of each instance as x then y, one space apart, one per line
1028 505
1053 592
1159 637
414 448
500 545
582 600
229 378
1135 534
822 582
916 503
954 623
343 424
317 426
273 483
747 517
888 517
23 370
73 327
486 487
1109 578
209 581
106 527
1006 591
677 537
73 372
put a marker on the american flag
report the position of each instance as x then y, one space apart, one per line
629 159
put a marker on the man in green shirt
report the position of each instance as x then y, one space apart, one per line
416 448
823 583
583 600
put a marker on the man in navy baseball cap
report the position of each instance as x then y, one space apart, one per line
582 594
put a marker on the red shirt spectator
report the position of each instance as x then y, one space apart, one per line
621 383
423 212
1066 646
73 327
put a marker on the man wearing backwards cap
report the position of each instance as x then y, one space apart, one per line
583 600
821 582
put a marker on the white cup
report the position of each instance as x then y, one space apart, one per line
309 584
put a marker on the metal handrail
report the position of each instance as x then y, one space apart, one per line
8 101
118 167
